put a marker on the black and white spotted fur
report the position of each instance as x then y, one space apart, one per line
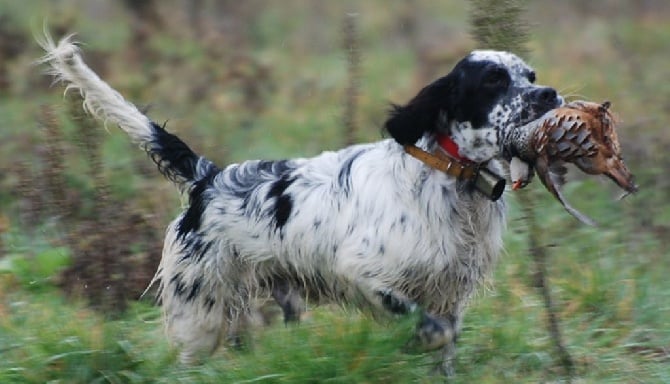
367 224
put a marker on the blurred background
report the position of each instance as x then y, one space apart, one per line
82 212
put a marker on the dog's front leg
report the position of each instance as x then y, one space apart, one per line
445 359
290 301
432 332
447 337
438 334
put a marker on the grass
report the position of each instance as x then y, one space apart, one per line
614 319
613 308
47 339
610 282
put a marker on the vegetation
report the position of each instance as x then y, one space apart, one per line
82 214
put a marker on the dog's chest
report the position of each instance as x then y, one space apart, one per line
456 254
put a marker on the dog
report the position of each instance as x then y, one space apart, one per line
370 225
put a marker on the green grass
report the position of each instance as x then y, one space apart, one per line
46 339
612 304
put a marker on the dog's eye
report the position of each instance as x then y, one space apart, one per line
531 76
496 79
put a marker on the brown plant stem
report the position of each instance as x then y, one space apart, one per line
53 168
352 49
498 24
538 253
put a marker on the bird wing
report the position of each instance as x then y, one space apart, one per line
570 135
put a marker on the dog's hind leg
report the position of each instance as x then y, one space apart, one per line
199 303
201 313
195 317
195 336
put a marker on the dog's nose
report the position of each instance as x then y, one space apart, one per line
545 95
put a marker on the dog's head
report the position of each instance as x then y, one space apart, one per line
485 95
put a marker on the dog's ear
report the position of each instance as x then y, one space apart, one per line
407 123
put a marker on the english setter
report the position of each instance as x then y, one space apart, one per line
369 224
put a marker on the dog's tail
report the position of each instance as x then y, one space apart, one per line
175 160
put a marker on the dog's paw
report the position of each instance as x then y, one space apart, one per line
432 333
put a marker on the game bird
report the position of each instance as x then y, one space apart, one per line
580 132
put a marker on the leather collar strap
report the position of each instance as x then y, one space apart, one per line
443 162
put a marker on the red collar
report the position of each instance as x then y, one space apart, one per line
445 142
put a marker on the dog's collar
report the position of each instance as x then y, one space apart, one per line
443 161
449 145
483 180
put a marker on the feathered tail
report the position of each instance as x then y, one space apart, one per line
175 160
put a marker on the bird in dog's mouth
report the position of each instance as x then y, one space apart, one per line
581 133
